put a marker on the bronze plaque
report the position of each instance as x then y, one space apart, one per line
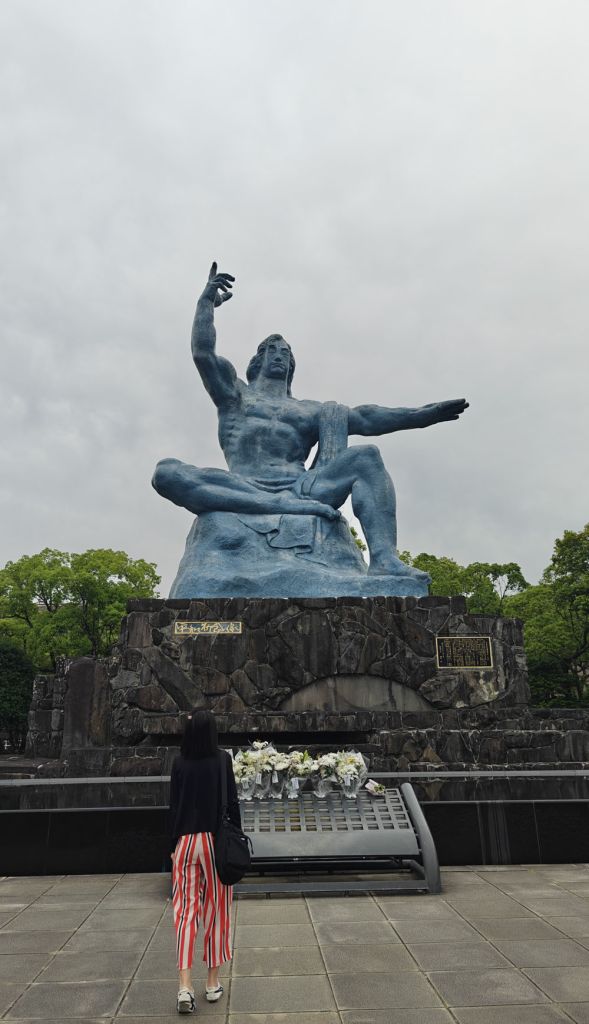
207 628
464 652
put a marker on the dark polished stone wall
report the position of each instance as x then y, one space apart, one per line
122 839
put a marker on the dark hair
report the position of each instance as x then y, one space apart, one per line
200 736
255 363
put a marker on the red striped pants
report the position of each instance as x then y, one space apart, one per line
196 890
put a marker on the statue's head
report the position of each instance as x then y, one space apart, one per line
274 359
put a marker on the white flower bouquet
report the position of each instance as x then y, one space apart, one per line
279 765
324 776
350 771
301 764
245 775
255 767
327 765
300 767
261 770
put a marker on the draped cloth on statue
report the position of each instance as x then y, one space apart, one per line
303 533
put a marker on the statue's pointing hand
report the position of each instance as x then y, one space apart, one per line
441 412
218 287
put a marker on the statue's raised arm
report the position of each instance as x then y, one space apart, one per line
218 374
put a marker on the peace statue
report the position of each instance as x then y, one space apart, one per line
268 526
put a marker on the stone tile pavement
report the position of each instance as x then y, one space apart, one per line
499 946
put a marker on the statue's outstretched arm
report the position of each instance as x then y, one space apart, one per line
218 374
370 420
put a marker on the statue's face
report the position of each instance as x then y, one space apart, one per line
276 361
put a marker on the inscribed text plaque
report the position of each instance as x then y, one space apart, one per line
208 627
464 652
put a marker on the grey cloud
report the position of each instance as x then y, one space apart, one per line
399 189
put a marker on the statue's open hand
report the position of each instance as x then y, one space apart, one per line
218 287
440 412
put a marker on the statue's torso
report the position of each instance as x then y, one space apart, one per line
264 438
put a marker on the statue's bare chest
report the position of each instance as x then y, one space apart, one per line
297 416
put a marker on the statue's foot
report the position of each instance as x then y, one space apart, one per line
307 507
393 566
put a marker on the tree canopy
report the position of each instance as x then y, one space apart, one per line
556 618
56 603
16 687
486 585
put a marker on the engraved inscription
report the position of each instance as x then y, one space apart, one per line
464 652
207 628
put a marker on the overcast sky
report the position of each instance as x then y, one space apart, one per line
401 190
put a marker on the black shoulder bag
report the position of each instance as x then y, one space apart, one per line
233 848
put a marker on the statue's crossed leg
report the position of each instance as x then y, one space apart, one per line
217 490
357 471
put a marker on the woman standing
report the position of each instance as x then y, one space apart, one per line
197 892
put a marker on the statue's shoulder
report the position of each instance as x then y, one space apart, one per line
308 406
319 411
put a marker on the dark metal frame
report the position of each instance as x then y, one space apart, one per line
337 835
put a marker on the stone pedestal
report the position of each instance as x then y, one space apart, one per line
317 673
335 655
265 556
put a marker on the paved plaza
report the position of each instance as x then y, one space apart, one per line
499 946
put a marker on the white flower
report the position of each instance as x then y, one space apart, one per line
301 764
280 762
327 764
243 771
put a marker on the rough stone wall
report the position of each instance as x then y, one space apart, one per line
45 722
124 715
69 709
288 645
87 711
482 738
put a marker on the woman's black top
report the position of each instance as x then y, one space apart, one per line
195 795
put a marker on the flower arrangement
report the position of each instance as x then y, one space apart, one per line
350 765
301 764
263 770
242 770
279 762
327 765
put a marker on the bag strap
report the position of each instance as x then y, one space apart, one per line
223 787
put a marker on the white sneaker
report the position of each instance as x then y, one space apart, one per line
186 1003
213 994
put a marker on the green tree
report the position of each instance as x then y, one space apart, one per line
55 603
447 575
486 585
489 584
16 687
568 575
546 640
556 620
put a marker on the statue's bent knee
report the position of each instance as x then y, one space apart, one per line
368 453
165 471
